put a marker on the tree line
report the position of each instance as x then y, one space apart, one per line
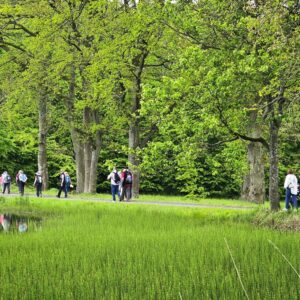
198 97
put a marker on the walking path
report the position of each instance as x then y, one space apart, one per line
138 202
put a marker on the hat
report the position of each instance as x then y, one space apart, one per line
38 173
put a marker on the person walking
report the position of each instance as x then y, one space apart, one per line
65 183
18 181
38 183
115 180
6 180
126 183
22 180
291 190
68 182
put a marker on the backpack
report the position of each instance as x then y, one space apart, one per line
23 177
39 178
67 179
8 179
128 178
116 177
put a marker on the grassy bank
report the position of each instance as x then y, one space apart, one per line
108 251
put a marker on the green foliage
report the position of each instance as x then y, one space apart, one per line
209 64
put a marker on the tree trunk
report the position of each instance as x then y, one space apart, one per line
276 110
134 127
95 155
254 185
256 173
273 181
42 152
79 160
87 149
133 157
87 165
75 136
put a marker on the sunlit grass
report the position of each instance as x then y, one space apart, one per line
89 250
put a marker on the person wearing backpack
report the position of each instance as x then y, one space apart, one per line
126 183
22 181
63 184
67 181
6 180
115 180
291 190
38 183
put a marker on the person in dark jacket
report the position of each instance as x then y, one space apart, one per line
6 180
126 183
38 183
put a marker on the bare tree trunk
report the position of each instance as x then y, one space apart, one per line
93 170
42 153
245 187
257 173
77 144
275 124
254 185
95 156
87 149
87 165
273 181
133 157
134 127
79 160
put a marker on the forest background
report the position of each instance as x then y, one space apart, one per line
198 97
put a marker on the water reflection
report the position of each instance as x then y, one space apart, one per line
19 223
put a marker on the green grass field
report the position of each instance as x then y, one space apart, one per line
88 250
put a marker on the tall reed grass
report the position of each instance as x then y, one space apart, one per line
116 251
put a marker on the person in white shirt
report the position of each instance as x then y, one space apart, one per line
115 180
291 189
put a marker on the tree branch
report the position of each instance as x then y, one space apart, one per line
239 135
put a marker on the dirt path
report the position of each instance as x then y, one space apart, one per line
138 202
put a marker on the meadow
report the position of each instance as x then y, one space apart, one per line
88 250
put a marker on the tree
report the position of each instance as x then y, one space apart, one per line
245 64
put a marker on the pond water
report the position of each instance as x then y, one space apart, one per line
19 223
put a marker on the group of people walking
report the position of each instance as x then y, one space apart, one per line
121 184
21 179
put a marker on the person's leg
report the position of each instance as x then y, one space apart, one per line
295 202
114 191
287 198
40 189
22 184
37 189
122 194
59 191
119 192
66 191
127 193
8 188
4 187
